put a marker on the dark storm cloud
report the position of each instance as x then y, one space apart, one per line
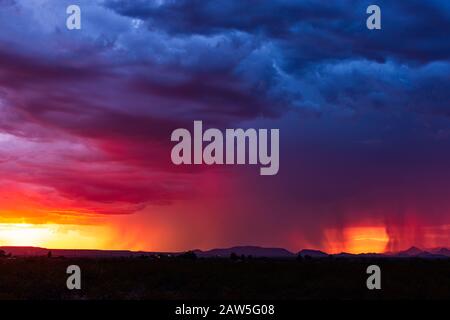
312 56
309 30
97 100
355 86
274 18
88 114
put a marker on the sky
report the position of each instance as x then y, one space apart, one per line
86 117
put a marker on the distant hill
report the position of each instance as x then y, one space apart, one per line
411 252
72 253
75 253
313 253
436 253
441 251
253 251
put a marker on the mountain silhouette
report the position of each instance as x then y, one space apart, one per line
441 251
254 251
411 252
72 253
313 253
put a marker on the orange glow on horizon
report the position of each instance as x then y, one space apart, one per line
357 240
53 236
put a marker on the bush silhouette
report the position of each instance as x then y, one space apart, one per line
190 255
234 256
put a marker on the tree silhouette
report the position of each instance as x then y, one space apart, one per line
190 255
234 256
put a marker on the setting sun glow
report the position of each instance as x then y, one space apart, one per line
24 234
51 235
363 239
357 240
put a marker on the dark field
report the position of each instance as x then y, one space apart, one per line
135 278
